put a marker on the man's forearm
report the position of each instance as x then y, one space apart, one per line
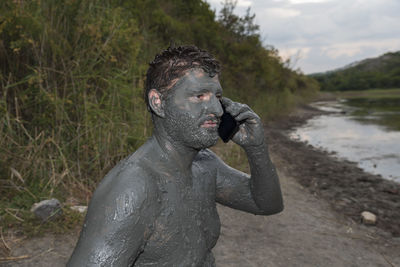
264 183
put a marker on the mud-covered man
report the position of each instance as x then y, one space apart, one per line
158 206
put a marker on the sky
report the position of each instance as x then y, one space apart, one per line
321 35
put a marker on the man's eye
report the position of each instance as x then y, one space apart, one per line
201 96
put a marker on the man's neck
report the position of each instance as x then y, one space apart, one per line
177 156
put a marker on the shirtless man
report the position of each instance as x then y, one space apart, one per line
157 207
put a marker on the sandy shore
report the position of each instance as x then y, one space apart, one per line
320 225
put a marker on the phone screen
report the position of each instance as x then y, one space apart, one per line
228 126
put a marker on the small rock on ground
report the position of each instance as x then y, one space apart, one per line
47 209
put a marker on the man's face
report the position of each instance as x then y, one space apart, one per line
193 111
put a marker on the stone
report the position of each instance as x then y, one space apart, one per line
48 209
368 218
80 209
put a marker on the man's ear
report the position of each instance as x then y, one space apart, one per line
155 103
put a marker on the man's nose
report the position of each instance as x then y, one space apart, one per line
215 107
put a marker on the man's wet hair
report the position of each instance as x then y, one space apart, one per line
171 64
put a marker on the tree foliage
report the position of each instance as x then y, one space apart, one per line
381 72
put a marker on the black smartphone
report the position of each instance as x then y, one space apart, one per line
228 126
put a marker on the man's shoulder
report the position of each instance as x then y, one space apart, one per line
208 159
205 155
128 177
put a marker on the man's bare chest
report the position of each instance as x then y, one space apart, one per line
188 225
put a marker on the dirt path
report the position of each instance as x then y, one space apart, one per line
307 233
315 229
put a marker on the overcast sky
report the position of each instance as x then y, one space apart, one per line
320 35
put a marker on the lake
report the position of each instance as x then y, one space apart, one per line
363 130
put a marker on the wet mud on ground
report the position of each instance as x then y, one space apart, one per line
320 225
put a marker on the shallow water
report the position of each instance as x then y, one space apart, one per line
356 136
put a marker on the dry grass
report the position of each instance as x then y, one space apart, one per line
233 155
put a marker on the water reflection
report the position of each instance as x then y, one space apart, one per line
375 148
383 111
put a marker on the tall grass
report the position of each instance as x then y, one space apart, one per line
70 101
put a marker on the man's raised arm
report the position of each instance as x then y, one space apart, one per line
260 193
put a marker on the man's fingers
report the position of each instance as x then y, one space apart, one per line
248 116
240 111
226 102
236 108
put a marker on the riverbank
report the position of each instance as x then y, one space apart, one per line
347 188
317 228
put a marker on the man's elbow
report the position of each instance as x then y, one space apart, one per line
277 209
270 209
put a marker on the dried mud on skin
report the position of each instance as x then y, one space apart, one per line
347 188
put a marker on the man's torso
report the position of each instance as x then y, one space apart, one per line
188 225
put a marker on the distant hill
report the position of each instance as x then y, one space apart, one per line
379 72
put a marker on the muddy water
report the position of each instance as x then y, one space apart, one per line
357 132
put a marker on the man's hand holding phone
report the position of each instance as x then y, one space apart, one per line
248 129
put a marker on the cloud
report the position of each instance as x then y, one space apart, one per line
326 33
336 51
321 59
296 2
307 1
294 54
351 49
281 12
244 3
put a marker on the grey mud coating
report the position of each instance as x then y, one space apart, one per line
158 206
